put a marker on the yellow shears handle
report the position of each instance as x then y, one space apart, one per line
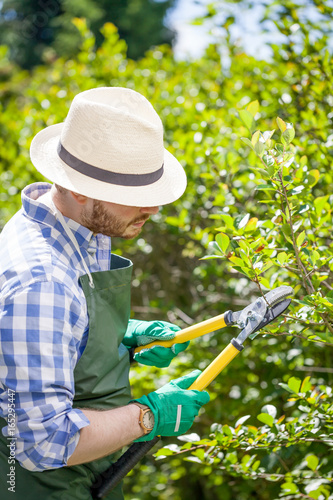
215 367
194 331
189 333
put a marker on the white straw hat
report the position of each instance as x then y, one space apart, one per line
110 148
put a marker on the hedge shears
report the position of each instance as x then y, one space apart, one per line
251 319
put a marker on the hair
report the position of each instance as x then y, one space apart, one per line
61 190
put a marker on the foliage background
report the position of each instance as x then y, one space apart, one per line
206 109
41 30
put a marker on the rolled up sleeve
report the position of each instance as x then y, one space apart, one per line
42 327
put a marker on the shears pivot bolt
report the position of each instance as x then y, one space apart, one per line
252 316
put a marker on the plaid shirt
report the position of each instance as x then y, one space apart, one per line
44 328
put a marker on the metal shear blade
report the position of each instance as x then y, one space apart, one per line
261 312
271 314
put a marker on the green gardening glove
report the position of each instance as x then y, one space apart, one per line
143 332
174 407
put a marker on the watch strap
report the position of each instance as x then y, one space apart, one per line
143 409
140 405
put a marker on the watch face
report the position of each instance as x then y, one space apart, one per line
148 419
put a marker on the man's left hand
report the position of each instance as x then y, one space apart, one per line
140 333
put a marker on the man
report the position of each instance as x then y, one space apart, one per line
65 302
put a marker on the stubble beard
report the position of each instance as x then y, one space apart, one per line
101 221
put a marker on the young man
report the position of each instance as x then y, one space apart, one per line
65 302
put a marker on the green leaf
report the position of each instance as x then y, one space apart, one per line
303 208
286 387
228 220
243 221
303 161
259 148
206 175
237 261
247 119
164 452
266 136
232 457
290 487
223 241
214 248
264 174
320 203
268 160
312 462
314 256
243 245
207 257
256 465
173 221
226 430
193 437
270 410
271 170
255 138
306 384
281 124
282 257
266 266
265 187
264 282
253 108
294 383
288 135
248 142
193 459
313 177
300 239
297 190
316 489
266 419
251 225
241 420
199 453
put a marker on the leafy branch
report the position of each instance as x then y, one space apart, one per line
237 450
276 246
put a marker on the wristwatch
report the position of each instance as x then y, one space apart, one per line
146 418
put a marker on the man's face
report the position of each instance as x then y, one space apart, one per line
112 219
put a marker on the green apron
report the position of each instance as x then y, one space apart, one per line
101 382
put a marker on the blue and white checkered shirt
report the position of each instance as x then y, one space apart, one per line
44 327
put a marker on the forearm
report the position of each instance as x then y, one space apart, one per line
109 431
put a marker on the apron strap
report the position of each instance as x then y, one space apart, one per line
71 236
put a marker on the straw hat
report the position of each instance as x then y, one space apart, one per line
110 148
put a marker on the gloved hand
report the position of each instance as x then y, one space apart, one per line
143 332
174 407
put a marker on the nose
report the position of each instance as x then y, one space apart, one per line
149 210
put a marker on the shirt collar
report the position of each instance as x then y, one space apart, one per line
41 213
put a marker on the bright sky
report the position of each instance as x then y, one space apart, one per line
192 40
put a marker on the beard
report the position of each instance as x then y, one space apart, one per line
101 221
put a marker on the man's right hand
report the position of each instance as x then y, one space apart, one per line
174 406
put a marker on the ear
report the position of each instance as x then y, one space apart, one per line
79 198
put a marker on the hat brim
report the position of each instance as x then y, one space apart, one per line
44 156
